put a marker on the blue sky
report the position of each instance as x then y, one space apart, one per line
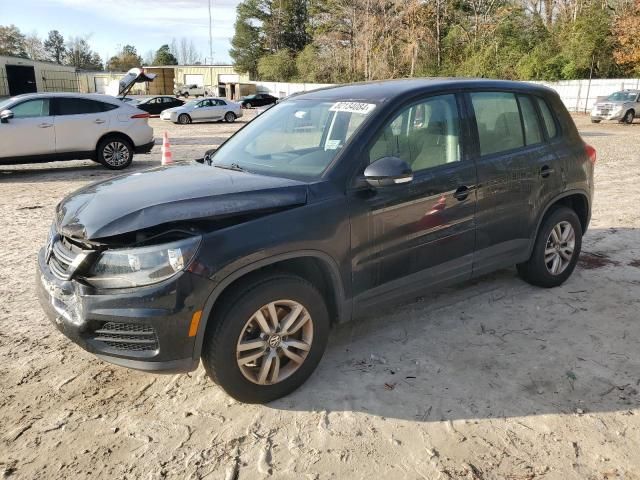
146 24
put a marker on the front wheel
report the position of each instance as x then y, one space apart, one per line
230 117
247 105
628 117
593 120
268 338
556 250
184 119
115 153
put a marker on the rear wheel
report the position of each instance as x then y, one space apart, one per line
115 153
269 337
184 119
230 117
593 120
556 250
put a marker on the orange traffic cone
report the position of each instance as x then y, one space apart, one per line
166 150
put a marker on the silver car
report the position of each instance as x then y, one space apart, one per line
203 110
623 106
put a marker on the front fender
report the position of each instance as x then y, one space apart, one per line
343 307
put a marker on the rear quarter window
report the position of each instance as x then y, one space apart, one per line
548 118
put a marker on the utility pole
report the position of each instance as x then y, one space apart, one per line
210 35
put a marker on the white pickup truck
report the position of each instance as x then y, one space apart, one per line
191 91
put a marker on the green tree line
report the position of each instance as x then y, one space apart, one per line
351 40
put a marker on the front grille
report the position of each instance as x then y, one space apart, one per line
128 336
65 257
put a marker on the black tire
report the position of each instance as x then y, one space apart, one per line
230 117
184 119
247 105
535 271
219 349
595 121
186 95
628 117
115 152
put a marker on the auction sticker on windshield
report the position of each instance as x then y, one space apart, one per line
352 107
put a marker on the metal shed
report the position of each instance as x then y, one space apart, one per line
21 75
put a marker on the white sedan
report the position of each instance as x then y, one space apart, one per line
203 110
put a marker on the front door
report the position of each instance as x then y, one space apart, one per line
409 236
30 131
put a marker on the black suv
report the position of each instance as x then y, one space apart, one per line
331 204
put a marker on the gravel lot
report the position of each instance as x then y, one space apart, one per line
490 379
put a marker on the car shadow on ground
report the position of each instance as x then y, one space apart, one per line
494 347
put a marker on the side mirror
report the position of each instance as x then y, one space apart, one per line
388 171
206 160
5 115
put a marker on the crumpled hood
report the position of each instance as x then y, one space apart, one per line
167 194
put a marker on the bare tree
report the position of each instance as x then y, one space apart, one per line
185 51
34 47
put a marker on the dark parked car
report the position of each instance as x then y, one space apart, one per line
317 211
155 105
258 100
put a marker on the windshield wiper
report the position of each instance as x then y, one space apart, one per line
233 166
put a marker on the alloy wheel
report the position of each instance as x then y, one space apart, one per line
559 249
116 154
274 342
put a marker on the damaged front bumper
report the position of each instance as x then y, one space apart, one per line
146 328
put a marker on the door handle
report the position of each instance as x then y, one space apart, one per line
45 125
546 171
462 192
98 120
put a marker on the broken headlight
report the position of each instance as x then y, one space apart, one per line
134 267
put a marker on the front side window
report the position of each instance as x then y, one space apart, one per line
424 135
296 139
498 120
31 108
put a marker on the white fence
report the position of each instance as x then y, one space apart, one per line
577 95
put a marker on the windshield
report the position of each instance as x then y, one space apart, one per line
296 139
622 97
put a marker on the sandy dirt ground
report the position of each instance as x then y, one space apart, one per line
493 379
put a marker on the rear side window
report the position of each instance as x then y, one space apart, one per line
498 120
31 108
547 116
532 129
78 106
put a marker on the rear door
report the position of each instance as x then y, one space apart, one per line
79 123
30 131
409 236
517 171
